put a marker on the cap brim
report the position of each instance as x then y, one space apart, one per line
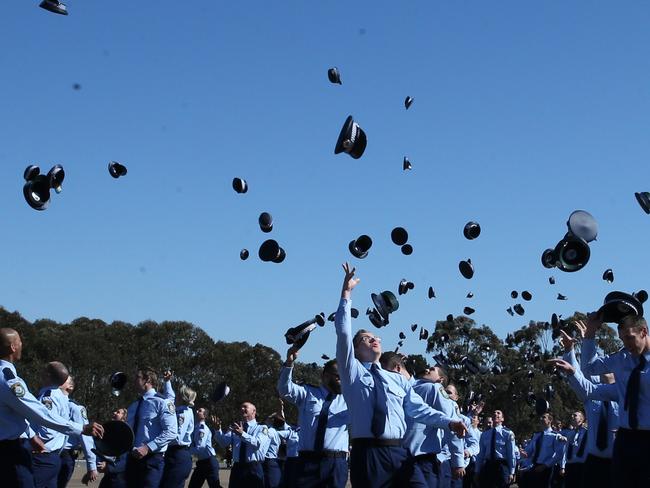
346 130
221 391
118 438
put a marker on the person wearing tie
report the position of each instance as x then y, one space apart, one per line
207 467
323 425
575 451
153 421
379 402
632 372
544 450
496 462
250 442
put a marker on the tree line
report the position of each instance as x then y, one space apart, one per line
511 370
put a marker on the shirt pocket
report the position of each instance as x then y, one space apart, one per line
396 392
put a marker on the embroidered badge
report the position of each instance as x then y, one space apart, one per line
181 420
443 392
201 435
18 390
47 402
171 407
265 430
84 414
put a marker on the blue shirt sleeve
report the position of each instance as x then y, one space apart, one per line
288 390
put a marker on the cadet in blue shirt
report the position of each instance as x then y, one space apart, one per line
602 416
575 451
323 419
473 431
207 467
250 442
69 453
48 464
378 402
178 460
631 368
153 420
544 451
17 407
115 473
496 462
272 469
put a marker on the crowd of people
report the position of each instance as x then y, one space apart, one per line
371 420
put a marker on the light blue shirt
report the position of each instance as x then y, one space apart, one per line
274 444
620 363
574 440
291 436
309 401
157 425
184 418
202 442
256 438
78 414
54 400
358 385
504 447
552 448
18 406
593 396
423 439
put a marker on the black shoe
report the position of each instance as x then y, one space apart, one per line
54 6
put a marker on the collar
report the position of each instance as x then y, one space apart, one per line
547 430
252 423
6 364
149 393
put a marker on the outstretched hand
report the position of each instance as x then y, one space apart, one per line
349 282
563 365
567 341
594 322
458 428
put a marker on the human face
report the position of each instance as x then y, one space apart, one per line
546 421
331 379
248 411
634 339
140 384
432 374
119 414
577 419
200 414
17 347
498 417
368 348
489 423
475 421
452 392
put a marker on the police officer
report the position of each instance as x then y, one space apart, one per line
323 422
17 407
272 468
114 473
207 467
178 460
544 450
631 368
250 442
378 401
495 463
79 415
469 480
47 464
575 451
153 420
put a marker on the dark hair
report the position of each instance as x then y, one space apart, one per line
149 375
444 376
56 373
390 360
329 366
633 322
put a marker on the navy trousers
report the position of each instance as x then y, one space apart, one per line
422 471
178 466
494 474
113 480
378 466
630 461
16 464
46 469
272 473
290 472
205 470
326 472
573 475
67 468
146 472
247 475
538 476
597 472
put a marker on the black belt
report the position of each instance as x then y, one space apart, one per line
633 434
372 442
496 461
10 442
316 455
176 447
427 457
247 463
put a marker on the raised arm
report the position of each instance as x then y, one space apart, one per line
343 323
169 426
287 389
591 363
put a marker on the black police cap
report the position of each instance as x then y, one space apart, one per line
404 287
468 310
399 236
270 250
431 293
239 185
266 222
243 254
407 249
408 101
406 164
118 382
116 169
471 230
118 439
352 139
618 305
360 246
334 76
644 200
221 391
519 310
54 6
466 269
526 295
608 276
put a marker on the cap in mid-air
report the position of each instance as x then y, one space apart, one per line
352 139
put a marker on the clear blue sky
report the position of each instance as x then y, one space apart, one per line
523 113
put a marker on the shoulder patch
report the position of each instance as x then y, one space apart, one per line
512 436
443 392
181 419
8 374
171 407
265 430
201 435
47 401
84 414
18 390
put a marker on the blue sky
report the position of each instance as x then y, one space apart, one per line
523 112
